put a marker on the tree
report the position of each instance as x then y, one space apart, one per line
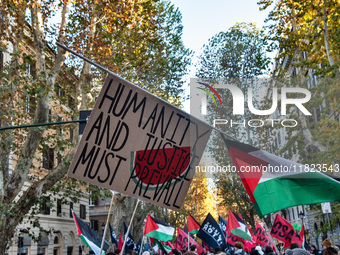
302 31
306 26
200 201
237 56
147 33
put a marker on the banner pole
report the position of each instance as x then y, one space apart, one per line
107 223
271 239
188 238
128 230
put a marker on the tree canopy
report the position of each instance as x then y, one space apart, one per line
139 40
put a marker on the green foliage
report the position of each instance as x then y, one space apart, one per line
237 56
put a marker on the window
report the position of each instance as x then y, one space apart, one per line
59 206
71 103
94 225
45 206
93 199
71 208
59 91
293 216
59 158
82 211
30 105
48 158
31 69
69 250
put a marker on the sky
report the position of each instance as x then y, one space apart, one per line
202 19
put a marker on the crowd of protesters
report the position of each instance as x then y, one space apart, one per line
238 249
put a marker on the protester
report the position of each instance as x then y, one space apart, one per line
211 251
315 251
259 249
296 250
193 248
253 251
269 250
327 243
176 252
239 248
330 251
217 250
294 246
146 253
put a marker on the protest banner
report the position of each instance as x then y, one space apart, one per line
211 233
139 145
183 244
262 238
284 231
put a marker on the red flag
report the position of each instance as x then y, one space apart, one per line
193 225
232 222
232 239
285 232
261 236
120 243
182 242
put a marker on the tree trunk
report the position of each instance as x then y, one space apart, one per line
326 39
13 214
117 212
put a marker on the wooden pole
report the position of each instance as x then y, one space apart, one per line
107 223
128 230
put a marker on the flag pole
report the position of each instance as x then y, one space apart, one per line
270 236
128 230
107 223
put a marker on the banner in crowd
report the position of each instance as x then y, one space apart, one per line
262 238
211 233
182 242
113 236
285 232
90 237
139 145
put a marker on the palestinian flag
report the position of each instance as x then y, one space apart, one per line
241 230
158 229
91 238
193 225
302 235
157 245
269 178
168 247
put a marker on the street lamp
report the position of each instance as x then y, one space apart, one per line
302 216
